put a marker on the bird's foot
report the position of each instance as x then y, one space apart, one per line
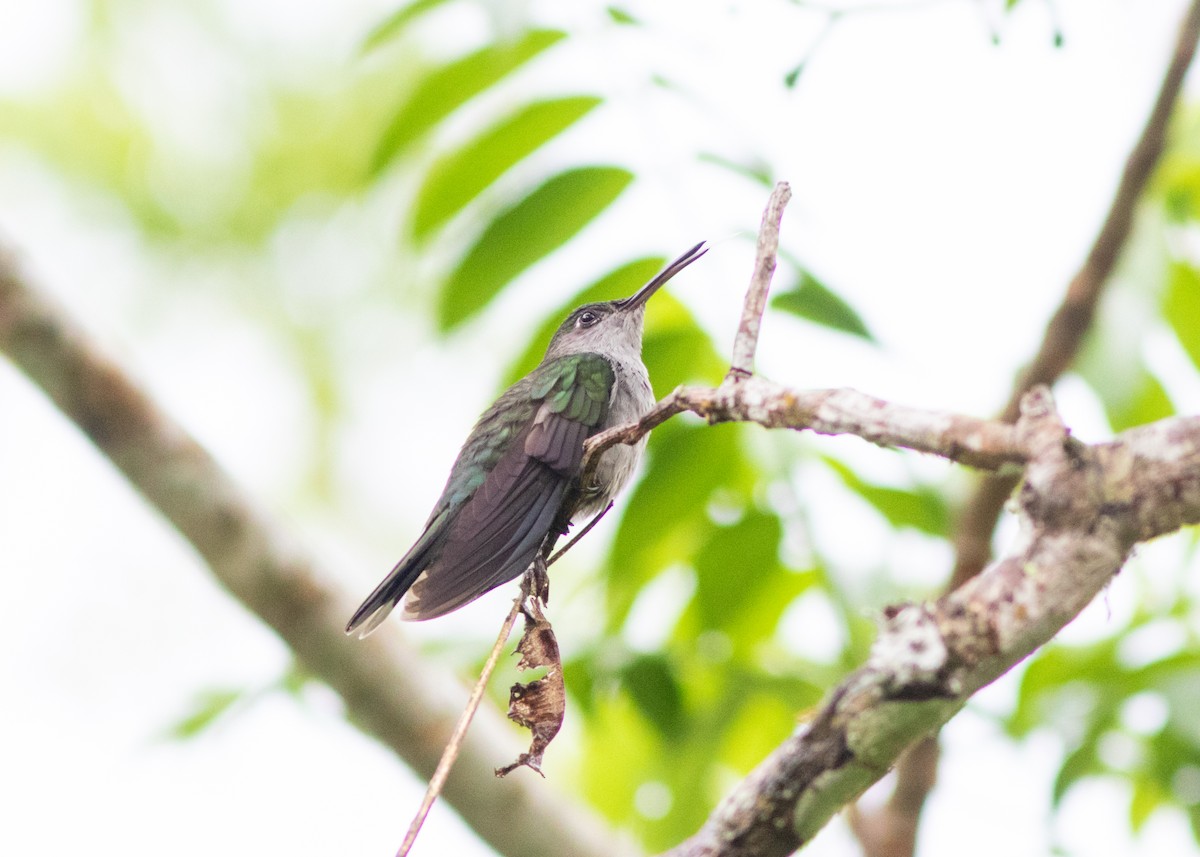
536 583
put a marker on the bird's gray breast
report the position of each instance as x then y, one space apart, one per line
631 398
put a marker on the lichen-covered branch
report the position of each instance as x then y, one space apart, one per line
892 831
1082 510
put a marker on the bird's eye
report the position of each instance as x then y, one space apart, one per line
587 318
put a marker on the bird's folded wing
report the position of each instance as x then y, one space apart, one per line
499 530
493 539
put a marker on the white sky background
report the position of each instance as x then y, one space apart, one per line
947 187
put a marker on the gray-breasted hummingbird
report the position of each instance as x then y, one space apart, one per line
515 482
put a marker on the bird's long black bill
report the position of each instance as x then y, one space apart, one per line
644 293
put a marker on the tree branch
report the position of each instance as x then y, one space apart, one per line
892 833
1082 510
390 691
767 251
986 444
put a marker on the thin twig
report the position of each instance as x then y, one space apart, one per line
662 411
450 753
587 528
746 342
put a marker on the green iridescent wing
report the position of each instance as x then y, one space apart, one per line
504 494
501 527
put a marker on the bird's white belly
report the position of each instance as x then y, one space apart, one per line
631 399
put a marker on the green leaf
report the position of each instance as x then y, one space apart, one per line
1181 305
733 564
579 675
616 744
1063 686
666 517
1177 177
1077 765
1147 796
395 24
742 588
761 722
1113 364
455 83
295 680
651 683
755 170
524 234
119 151
1148 404
620 16
758 615
921 509
207 707
813 300
457 178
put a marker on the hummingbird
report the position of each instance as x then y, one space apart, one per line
515 485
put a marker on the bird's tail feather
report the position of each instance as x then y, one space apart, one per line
387 594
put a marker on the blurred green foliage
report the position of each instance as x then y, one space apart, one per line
1123 714
811 299
664 731
524 233
449 86
457 178
89 130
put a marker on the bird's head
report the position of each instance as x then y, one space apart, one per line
611 326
